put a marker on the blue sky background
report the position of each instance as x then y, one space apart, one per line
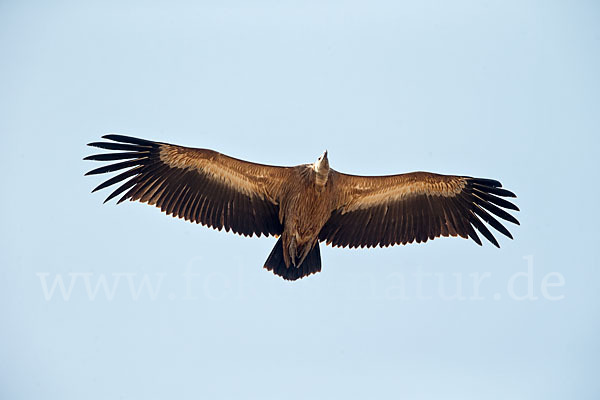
500 89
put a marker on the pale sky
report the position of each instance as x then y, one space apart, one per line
507 90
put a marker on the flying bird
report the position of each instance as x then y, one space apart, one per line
301 205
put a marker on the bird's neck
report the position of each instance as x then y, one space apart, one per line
321 177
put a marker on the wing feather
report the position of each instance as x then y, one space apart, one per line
198 185
415 207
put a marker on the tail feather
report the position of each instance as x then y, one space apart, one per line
310 265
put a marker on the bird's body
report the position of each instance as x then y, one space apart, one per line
305 204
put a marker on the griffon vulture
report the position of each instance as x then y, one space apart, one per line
303 205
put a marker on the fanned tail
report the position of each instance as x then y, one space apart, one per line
310 265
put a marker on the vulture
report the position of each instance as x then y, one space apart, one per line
301 205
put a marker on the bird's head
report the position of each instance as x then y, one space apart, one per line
321 166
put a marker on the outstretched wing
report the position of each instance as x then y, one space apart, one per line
388 210
199 185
